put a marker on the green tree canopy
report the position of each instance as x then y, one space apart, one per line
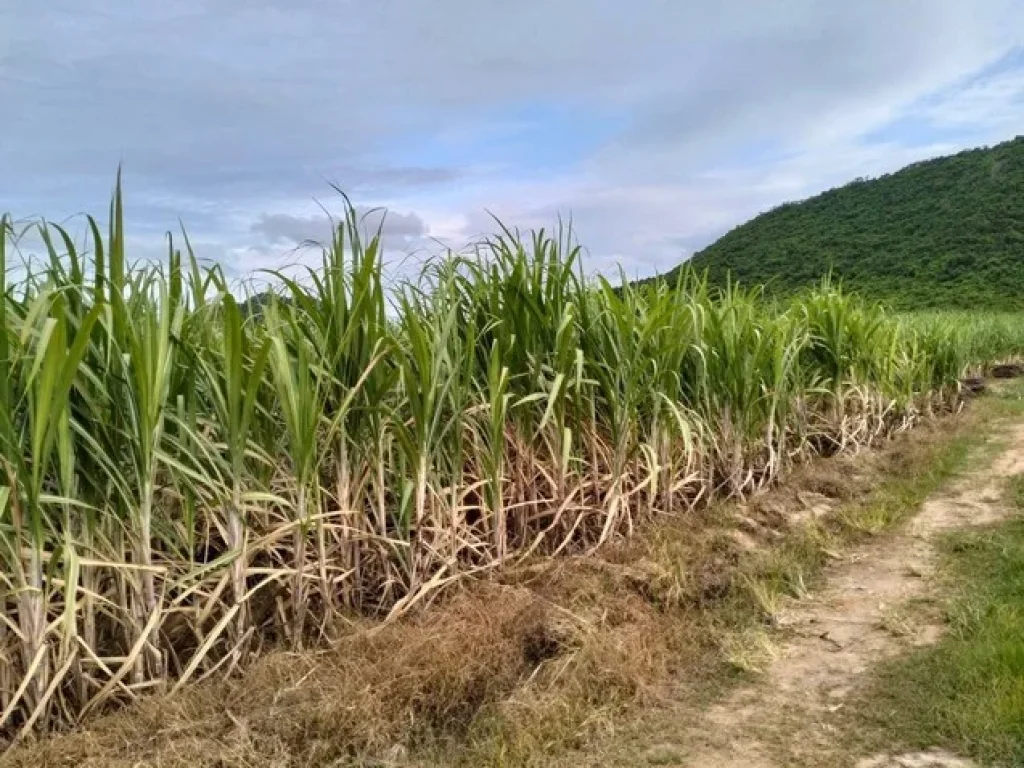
947 232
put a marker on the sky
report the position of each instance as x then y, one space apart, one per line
654 126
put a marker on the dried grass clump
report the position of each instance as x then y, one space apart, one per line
397 684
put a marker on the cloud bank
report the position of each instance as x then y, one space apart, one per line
655 127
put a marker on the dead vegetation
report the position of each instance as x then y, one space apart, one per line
532 661
491 649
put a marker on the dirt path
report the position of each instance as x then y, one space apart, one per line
835 635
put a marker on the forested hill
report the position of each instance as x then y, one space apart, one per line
947 232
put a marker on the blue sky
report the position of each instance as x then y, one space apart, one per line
655 125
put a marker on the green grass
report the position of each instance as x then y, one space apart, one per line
967 692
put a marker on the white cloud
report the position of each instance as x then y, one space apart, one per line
395 228
234 116
995 101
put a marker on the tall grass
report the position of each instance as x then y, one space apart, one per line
183 481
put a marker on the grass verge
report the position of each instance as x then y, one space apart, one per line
966 693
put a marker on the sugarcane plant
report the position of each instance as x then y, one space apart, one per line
190 474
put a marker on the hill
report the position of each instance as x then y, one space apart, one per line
947 232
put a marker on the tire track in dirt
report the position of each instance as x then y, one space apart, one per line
837 634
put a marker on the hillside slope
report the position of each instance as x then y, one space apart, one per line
947 232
